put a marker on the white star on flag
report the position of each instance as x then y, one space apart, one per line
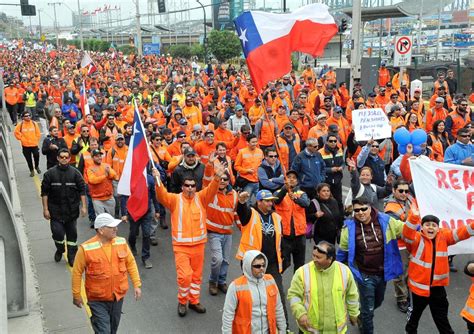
242 36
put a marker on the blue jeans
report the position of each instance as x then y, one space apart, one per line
252 189
90 206
221 247
105 316
145 223
371 291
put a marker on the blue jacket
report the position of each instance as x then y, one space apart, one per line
311 169
391 229
456 153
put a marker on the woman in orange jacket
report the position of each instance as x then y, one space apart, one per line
428 270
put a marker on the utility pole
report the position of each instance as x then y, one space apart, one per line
56 27
139 28
205 33
39 19
355 33
79 14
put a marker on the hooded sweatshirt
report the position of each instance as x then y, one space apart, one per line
259 300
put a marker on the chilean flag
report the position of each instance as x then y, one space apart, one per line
133 180
268 39
87 62
83 100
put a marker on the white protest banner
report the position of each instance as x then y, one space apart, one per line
370 123
446 191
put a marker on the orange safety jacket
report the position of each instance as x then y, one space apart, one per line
28 133
437 147
421 261
247 159
267 132
221 213
288 210
284 151
458 122
204 150
188 215
242 323
434 115
400 210
100 185
252 236
116 159
107 144
69 139
105 280
468 310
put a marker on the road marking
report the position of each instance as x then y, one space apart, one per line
83 288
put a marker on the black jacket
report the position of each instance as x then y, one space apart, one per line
52 154
180 172
64 187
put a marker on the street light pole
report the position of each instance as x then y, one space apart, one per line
39 19
205 32
139 29
356 50
56 27
79 14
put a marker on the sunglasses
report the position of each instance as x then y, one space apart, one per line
312 146
464 136
258 266
224 179
85 131
361 209
403 191
189 185
182 136
26 115
63 157
273 156
377 146
332 141
246 133
464 105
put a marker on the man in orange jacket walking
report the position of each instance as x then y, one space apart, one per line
99 178
189 235
28 133
428 270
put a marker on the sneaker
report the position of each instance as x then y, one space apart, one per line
182 310
32 173
199 308
163 224
147 264
222 287
91 223
213 288
58 256
154 242
38 170
403 306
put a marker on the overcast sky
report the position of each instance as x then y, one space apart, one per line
127 8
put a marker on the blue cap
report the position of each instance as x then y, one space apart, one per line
265 195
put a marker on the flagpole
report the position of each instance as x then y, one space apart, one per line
146 142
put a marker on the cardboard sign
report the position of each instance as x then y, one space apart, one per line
370 123
446 191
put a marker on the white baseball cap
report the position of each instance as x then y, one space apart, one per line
106 220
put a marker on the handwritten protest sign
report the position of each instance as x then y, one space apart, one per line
446 191
370 123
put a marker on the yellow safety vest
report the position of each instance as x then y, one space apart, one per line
30 100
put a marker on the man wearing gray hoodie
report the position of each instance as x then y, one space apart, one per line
252 303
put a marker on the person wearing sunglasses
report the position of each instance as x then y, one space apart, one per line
398 205
369 246
461 152
28 133
333 157
252 303
51 146
189 234
458 118
339 303
428 271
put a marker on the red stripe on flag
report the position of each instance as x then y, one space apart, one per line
137 204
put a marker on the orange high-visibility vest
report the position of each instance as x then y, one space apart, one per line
221 213
458 122
100 185
468 310
242 323
116 159
252 236
421 250
288 209
284 151
267 133
106 280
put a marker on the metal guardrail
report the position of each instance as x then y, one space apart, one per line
3 291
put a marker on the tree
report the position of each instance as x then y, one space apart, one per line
180 51
198 51
224 45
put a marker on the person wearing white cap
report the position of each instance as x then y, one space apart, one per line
180 95
107 262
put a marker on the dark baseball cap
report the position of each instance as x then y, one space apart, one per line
96 152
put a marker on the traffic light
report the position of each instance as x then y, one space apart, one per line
343 26
27 9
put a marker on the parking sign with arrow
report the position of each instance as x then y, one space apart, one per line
403 48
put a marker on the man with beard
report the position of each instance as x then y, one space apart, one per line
458 118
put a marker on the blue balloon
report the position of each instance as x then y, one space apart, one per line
418 137
417 149
402 149
402 136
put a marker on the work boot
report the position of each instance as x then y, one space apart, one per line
91 223
154 242
222 287
213 288
199 308
403 306
182 310
38 170
147 264
58 255
32 173
163 224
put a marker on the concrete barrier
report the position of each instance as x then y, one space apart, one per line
5 174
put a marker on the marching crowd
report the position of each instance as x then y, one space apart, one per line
230 160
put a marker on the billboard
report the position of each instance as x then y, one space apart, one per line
151 49
224 11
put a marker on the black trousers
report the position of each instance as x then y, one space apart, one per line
105 317
470 326
336 191
438 303
13 111
59 229
296 247
31 153
272 269
311 192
